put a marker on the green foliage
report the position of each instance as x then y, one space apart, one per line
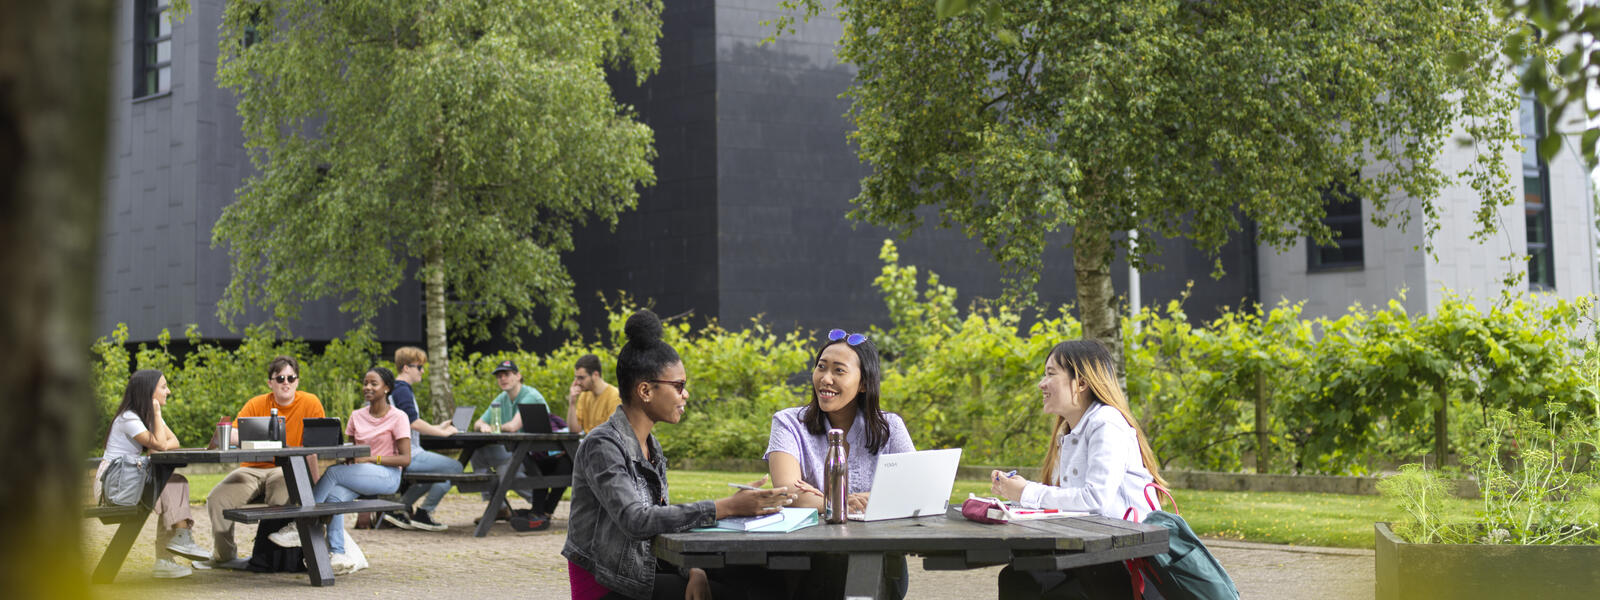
1554 49
467 137
1167 117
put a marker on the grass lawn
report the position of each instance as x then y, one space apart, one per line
1272 517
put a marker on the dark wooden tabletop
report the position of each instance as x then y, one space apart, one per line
925 535
200 455
475 439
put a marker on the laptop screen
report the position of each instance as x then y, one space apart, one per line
535 418
252 429
321 432
463 418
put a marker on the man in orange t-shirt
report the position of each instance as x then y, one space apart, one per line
262 481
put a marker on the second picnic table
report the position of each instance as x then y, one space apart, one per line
508 478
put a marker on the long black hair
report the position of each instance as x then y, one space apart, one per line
644 355
139 396
866 397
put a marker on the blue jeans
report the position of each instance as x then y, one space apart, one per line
423 461
343 483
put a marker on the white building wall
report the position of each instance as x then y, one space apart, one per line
1390 265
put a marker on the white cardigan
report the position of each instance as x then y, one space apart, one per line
1099 468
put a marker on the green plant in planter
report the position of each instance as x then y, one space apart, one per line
1538 480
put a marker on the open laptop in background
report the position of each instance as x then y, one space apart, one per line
462 420
911 484
535 418
252 429
319 432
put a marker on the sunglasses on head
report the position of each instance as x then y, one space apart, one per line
854 339
285 378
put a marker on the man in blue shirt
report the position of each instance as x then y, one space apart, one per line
409 364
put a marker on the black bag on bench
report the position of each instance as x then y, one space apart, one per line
267 557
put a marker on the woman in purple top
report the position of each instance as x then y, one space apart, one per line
844 395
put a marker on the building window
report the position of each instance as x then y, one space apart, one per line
1536 198
1343 216
152 51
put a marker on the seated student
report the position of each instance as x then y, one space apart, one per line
411 361
619 492
1098 461
138 426
388 432
844 395
261 481
590 400
503 410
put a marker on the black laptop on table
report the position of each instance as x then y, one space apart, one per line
535 418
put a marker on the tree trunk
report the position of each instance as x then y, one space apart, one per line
54 70
438 343
1441 426
1097 300
1263 426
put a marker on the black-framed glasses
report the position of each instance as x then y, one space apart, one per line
854 339
677 385
285 378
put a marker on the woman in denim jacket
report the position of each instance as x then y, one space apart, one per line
619 487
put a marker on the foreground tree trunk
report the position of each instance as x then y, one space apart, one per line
438 344
1097 300
54 61
1441 425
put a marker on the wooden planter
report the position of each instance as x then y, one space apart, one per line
1472 571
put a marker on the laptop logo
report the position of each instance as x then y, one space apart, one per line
891 464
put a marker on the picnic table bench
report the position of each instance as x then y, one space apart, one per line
946 542
522 445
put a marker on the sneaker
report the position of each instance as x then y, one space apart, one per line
237 564
424 521
288 537
530 522
343 564
182 544
399 519
167 568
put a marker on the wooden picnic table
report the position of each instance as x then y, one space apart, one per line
946 542
297 476
522 444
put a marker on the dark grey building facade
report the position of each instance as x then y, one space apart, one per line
754 179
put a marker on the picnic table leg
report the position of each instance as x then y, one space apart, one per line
497 499
313 533
864 577
105 571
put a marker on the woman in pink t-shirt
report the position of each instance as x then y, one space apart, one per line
388 431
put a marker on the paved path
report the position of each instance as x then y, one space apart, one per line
505 564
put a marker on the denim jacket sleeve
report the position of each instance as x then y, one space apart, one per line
625 498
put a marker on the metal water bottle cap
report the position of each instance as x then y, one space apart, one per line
835 436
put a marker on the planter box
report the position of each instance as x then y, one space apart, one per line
1472 571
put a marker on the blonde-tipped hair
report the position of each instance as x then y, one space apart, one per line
409 355
1089 361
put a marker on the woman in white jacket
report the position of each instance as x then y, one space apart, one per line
1098 461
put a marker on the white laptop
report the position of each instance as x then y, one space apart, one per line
462 420
911 484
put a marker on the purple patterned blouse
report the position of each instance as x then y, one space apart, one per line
789 436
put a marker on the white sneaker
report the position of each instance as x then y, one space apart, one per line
167 568
343 564
182 544
288 537
237 564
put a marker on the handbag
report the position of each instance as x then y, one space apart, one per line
985 510
124 480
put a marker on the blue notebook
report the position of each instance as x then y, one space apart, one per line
793 519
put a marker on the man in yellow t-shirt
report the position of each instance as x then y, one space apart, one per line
590 400
262 480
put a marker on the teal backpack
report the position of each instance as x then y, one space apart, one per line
1187 571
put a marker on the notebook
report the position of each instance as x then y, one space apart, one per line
463 418
790 519
535 418
911 484
321 431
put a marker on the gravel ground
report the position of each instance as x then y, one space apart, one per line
409 564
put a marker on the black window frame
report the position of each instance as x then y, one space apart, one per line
1341 208
148 16
1536 204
